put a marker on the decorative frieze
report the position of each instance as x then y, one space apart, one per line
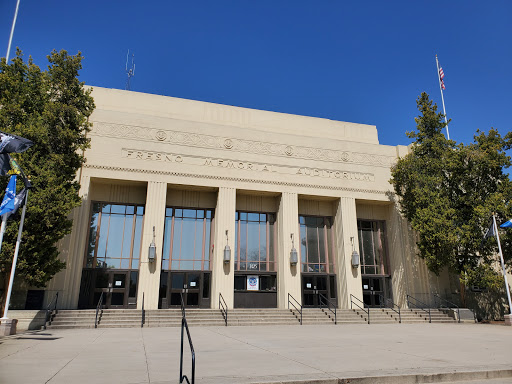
238 145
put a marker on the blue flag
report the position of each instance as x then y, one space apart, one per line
10 194
506 224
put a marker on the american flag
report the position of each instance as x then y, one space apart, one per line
441 77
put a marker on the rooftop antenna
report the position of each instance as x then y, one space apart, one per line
130 72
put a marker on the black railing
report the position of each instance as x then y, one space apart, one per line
328 303
438 302
352 302
388 303
184 326
424 307
49 311
143 314
295 306
99 310
223 308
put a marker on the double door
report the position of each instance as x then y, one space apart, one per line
193 286
375 291
119 288
314 286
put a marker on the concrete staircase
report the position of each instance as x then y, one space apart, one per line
418 316
131 318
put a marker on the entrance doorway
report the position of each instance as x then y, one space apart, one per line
193 285
119 288
314 285
375 290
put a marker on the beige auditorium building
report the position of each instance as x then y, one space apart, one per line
201 199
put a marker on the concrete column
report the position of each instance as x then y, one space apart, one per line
288 277
149 273
78 242
349 279
223 280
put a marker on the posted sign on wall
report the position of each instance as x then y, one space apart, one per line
253 283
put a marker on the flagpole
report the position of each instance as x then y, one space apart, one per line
15 258
502 264
12 32
442 98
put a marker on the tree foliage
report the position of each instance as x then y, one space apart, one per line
448 192
51 108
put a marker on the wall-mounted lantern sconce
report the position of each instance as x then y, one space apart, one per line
293 253
152 249
227 250
355 255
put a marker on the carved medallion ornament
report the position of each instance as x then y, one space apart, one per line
240 145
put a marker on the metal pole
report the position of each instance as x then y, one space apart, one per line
442 98
12 32
502 264
15 258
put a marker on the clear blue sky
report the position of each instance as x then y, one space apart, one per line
357 61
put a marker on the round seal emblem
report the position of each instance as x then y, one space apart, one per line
161 135
288 150
228 143
345 156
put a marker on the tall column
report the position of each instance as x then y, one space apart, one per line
78 241
149 272
349 279
223 280
288 277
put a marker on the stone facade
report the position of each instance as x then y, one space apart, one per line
163 152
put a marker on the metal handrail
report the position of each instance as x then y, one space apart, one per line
436 296
393 305
98 307
294 306
416 306
49 312
184 326
143 314
223 308
328 301
367 311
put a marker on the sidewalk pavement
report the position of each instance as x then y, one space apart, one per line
320 354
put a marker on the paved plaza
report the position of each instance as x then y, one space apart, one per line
320 354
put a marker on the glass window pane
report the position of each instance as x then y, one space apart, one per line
115 236
130 210
120 209
243 216
207 241
113 263
263 242
127 237
198 244
96 207
167 238
178 213
321 244
312 236
243 241
253 241
140 210
209 214
137 237
187 239
165 264
102 242
105 208
271 242
168 211
200 214
190 213
176 241
303 243
186 265
125 263
135 263
254 217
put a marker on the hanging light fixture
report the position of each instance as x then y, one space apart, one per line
152 249
227 250
294 257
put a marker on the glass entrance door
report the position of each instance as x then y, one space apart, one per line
119 288
315 284
193 285
373 291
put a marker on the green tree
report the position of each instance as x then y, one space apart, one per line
52 109
448 191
